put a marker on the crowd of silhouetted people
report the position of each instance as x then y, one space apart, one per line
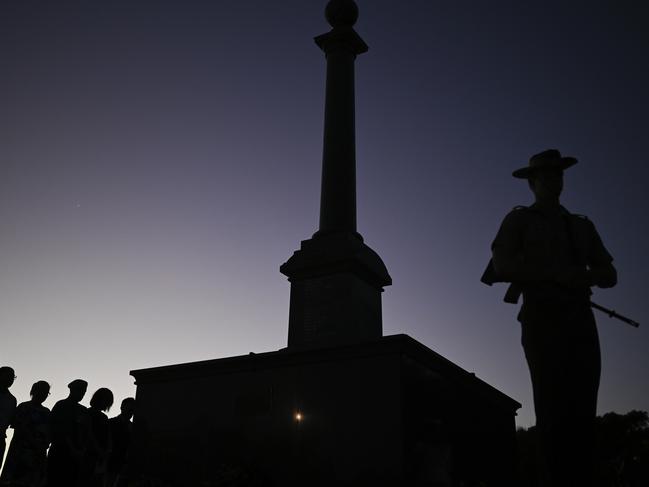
70 446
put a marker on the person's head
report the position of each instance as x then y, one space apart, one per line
39 391
546 184
127 408
544 174
7 377
78 388
102 399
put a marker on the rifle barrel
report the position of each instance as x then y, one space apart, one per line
614 314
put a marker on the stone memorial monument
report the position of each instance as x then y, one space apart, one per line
341 405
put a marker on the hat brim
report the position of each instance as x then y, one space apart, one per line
527 171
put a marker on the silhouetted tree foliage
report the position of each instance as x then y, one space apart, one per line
622 451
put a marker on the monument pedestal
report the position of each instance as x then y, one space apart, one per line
336 285
385 412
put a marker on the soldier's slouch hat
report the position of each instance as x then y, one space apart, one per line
547 159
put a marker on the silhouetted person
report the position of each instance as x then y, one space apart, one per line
121 432
554 257
7 405
94 466
141 441
26 463
69 437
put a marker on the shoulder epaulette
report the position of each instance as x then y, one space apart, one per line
577 215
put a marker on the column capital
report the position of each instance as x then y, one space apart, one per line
341 38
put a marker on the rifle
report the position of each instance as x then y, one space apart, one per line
514 291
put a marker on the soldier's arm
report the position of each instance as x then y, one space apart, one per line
507 253
603 276
601 271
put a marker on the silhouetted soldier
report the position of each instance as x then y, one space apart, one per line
27 457
553 257
7 405
95 460
69 437
121 432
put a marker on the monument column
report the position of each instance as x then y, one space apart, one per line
336 279
341 46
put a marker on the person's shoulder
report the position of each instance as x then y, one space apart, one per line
24 406
7 400
575 216
60 404
580 220
518 214
28 407
96 413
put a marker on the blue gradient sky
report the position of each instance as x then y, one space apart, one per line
161 159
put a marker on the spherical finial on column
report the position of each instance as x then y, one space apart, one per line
341 13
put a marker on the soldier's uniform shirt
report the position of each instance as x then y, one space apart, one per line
551 240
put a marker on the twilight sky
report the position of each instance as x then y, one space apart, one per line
160 159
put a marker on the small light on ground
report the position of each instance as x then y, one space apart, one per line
298 416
